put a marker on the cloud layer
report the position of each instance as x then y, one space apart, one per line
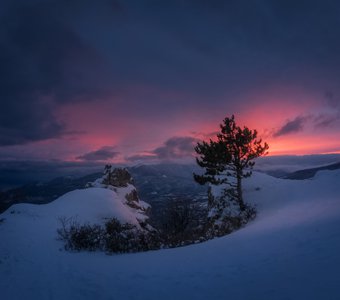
113 69
292 126
102 154
174 148
44 64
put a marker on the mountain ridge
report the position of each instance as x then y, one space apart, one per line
310 172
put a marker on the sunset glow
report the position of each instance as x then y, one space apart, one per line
98 100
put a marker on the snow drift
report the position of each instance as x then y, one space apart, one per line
290 251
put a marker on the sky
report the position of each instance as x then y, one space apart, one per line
135 81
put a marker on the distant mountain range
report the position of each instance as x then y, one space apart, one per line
309 173
155 184
43 192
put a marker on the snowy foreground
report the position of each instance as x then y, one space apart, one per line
291 251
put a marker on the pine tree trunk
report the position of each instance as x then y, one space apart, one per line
239 191
210 198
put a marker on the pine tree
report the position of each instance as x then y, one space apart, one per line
230 156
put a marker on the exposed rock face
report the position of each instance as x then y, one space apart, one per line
132 196
118 177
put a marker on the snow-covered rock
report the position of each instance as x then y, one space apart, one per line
120 182
95 204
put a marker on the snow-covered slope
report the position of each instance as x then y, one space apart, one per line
291 251
91 205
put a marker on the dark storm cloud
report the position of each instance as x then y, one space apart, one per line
101 154
57 52
293 126
43 63
174 148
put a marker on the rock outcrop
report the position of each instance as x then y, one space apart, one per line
117 177
121 182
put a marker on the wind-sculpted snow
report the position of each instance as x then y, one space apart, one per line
290 251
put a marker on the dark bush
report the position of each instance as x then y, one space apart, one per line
180 229
230 223
87 237
113 237
81 237
183 223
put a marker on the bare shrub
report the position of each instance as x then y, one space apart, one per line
113 237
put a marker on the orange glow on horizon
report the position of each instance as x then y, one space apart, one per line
303 145
266 111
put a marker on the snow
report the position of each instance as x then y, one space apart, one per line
92 205
290 251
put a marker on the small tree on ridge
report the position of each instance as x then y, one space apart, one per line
231 155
